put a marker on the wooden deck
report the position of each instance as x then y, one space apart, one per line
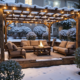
33 60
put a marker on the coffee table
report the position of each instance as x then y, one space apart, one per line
42 50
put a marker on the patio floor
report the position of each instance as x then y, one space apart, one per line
32 56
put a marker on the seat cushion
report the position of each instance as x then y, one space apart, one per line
34 42
55 48
63 44
27 47
63 50
25 43
71 44
17 53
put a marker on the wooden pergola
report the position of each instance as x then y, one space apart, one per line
23 13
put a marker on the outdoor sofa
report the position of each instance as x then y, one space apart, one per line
29 44
65 47
14 51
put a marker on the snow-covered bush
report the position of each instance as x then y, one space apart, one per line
10 70
20 31
31 36
72 34
45 35
63 34
39 30
66 24
77 57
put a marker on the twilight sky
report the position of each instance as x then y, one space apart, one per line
9 0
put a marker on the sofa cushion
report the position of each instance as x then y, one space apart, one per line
27 47
63 44
9 45
25 43
73 44
17 53
70 46
63 50
56 48
34 42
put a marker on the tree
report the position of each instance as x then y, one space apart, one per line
2 0
77 4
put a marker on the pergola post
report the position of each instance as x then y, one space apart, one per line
78 31
5 32
49 33
1 35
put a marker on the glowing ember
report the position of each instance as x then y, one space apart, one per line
41 45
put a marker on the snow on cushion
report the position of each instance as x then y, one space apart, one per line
63 44
34 43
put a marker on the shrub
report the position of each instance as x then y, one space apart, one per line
10 70
45 35
72 34
20 31
63 34
66 24
77 57
31 36
39 30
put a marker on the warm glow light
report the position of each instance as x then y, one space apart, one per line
8 12
41 45
62 12
45 11
13 8
4 7
28 9
61 17
21 14
13 14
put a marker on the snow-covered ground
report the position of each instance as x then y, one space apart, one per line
18 40
62 72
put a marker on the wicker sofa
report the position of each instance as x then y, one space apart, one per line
65 47
29 44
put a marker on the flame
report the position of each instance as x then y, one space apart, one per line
41 45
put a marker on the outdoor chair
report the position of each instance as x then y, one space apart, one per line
14 51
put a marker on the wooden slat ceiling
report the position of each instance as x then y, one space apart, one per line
37 15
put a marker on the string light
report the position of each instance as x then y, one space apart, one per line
13 8
4 7
28 9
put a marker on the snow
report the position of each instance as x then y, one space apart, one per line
61 72
72 33
24 38
63 33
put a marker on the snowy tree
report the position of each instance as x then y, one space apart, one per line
63 34
39 30
20 31
31 36
45 35
72 34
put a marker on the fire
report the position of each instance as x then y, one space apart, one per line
41 45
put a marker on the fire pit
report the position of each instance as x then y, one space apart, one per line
42 50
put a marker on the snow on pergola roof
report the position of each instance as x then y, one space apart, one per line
35 14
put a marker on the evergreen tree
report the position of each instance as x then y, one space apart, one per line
77 4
